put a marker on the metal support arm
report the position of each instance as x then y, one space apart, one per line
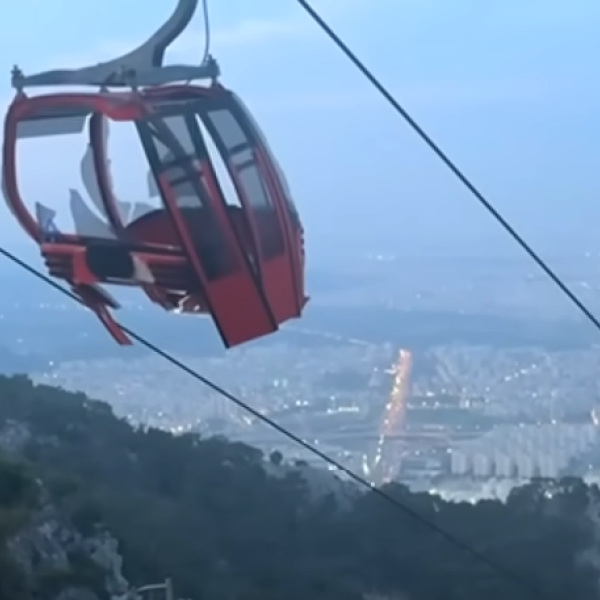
142 67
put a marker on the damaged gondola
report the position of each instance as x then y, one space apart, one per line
241 261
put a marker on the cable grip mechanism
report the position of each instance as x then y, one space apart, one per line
142 67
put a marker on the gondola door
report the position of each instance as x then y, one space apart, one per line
227 282
239 149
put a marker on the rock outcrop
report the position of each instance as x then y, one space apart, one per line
56 561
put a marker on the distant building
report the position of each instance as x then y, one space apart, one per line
459 463
482 466
547 467
525 466
503 466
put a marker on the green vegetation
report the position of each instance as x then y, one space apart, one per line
18 497
205 512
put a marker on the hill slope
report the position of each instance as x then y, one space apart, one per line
211 514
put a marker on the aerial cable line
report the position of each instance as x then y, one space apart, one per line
511 576
206 56
495 213
207 32
515 578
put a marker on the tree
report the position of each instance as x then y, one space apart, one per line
276 458
205 512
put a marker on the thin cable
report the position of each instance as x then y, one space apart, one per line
207 38
508 574
517 237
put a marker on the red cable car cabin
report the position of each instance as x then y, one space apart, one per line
243 265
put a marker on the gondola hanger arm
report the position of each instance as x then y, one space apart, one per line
142 67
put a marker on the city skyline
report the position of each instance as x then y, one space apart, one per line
402 262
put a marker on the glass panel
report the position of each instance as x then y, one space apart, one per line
53 121
270 155
240 153
177 124
253 185
221 172
224 182
179 161
229 129
175 165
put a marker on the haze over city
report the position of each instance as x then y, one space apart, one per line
426 325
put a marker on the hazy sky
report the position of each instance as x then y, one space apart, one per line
509 89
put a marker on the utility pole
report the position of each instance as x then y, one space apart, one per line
166 587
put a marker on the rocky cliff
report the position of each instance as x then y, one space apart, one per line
43 554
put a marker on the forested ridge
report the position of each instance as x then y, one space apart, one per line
226 523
